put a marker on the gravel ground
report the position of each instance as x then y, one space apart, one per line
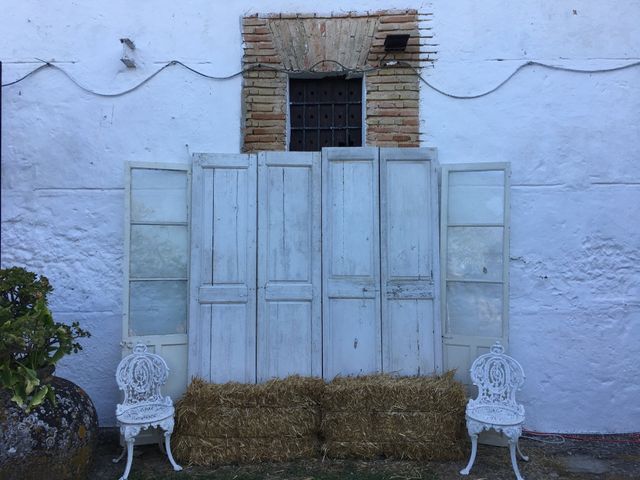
610 457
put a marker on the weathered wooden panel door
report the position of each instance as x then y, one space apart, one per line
281 286
409 239
222 327
289 269
351 262
475 261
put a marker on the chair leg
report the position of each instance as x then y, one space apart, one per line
167 440
127 469
514 462
522 456
116 460
474 450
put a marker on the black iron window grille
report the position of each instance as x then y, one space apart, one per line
325 112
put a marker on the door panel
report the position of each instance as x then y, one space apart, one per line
475 262
289 268
408 239
351 262
222 342
156 252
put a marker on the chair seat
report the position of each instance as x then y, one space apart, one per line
146 414
495 414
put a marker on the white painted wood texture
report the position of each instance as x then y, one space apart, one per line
222 326
408 220
351 262
289 326
474 235
338 276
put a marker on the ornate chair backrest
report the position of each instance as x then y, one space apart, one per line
498 377
140 376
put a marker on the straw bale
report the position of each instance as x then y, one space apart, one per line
293 390
390 393
253 422
389 426
233 422
216 450
417 418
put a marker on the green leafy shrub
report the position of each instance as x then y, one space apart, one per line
31 343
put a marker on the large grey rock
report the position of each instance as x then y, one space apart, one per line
53 442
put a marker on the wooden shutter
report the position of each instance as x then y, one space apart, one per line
474 260
156 265
289 266
222 322
409 239
351 262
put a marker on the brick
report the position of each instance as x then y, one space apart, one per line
402 138
387 87
256 30
261 59
393 95
397 18
268 116
254 21
399 28
261 138
398 70
410 121
259 107
270 99
257 38
377 121
253 123
393 112
260 52
267 130
408 78
373 105
265 91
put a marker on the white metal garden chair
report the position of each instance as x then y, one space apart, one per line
140 376
498 377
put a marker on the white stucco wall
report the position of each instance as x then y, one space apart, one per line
572 140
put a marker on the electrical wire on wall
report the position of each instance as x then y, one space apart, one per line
312 69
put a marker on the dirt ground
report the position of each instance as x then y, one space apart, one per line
610 457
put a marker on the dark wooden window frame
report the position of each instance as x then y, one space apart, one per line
325 112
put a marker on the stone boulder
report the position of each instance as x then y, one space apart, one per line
56 442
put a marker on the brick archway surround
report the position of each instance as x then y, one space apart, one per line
297 42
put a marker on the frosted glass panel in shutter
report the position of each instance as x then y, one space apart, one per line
157 308
476 197
475 253
158 195
474 309
158 251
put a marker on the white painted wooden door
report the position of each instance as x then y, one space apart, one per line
339 290
351 262
289 269
222 327
475 261
156 269
409 239
156 265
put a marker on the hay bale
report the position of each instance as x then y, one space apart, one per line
229 423
415 418
216 451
